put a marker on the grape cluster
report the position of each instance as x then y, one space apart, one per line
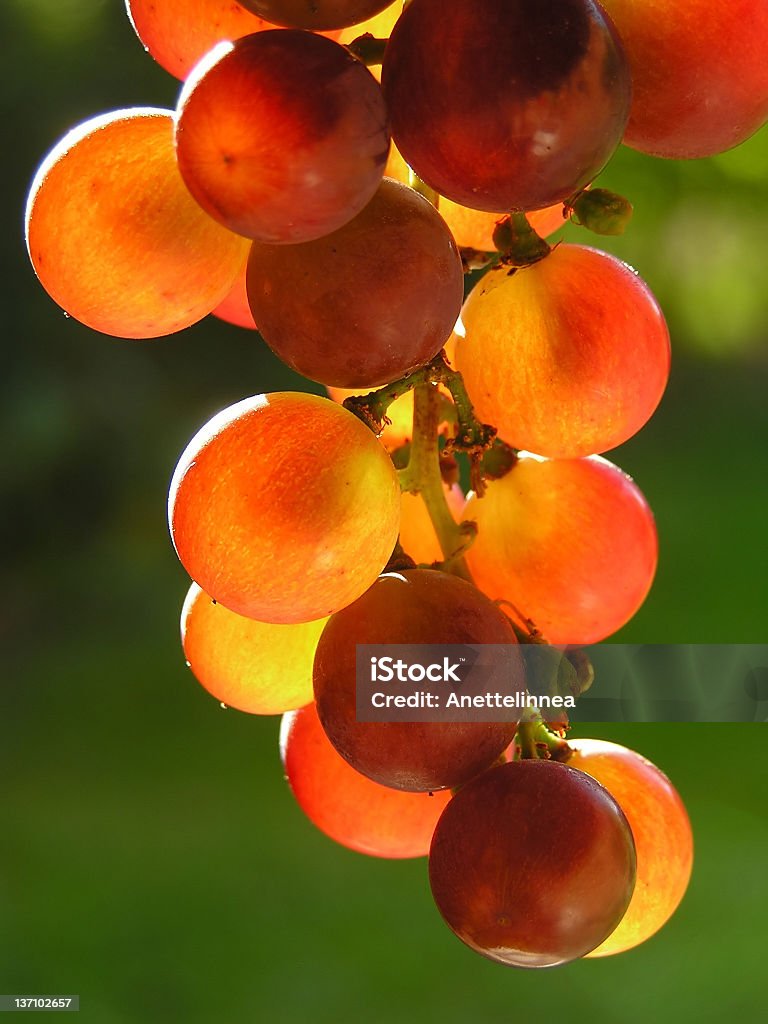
296 189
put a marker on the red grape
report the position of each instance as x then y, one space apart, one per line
571 543
282 136
115 237
259 667
348 807
699 73
284 507
506 106
661 830
567 357
367 303
419 606
532 864
315 14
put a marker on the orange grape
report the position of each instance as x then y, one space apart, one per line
114 236
284 507
567 357
662 833
177 33
260 667
571 543
347 806
282 136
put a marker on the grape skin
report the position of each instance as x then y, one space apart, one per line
366 304
415 606
282 136
567 357
277 529
114 236
571 543
259 667
511 106
532 864
662 833
350 808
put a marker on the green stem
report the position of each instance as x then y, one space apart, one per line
422 476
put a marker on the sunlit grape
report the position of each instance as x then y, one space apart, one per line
346 805
114 236
260 667
278 528
570 543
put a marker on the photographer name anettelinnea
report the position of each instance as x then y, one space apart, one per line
426 699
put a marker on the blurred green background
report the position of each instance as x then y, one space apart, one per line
152 858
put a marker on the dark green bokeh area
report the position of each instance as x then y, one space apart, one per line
153 860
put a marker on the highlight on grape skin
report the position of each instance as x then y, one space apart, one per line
276 529
259 667
582 555
567 357
350 808
415 606
282 136
366 304
114 236
532 864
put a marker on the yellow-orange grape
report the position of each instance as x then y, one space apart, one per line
571 543
234 306
177 33
115 237
260 667
284 507
567 357
662 833
474 229
282 136
417 534
350 808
